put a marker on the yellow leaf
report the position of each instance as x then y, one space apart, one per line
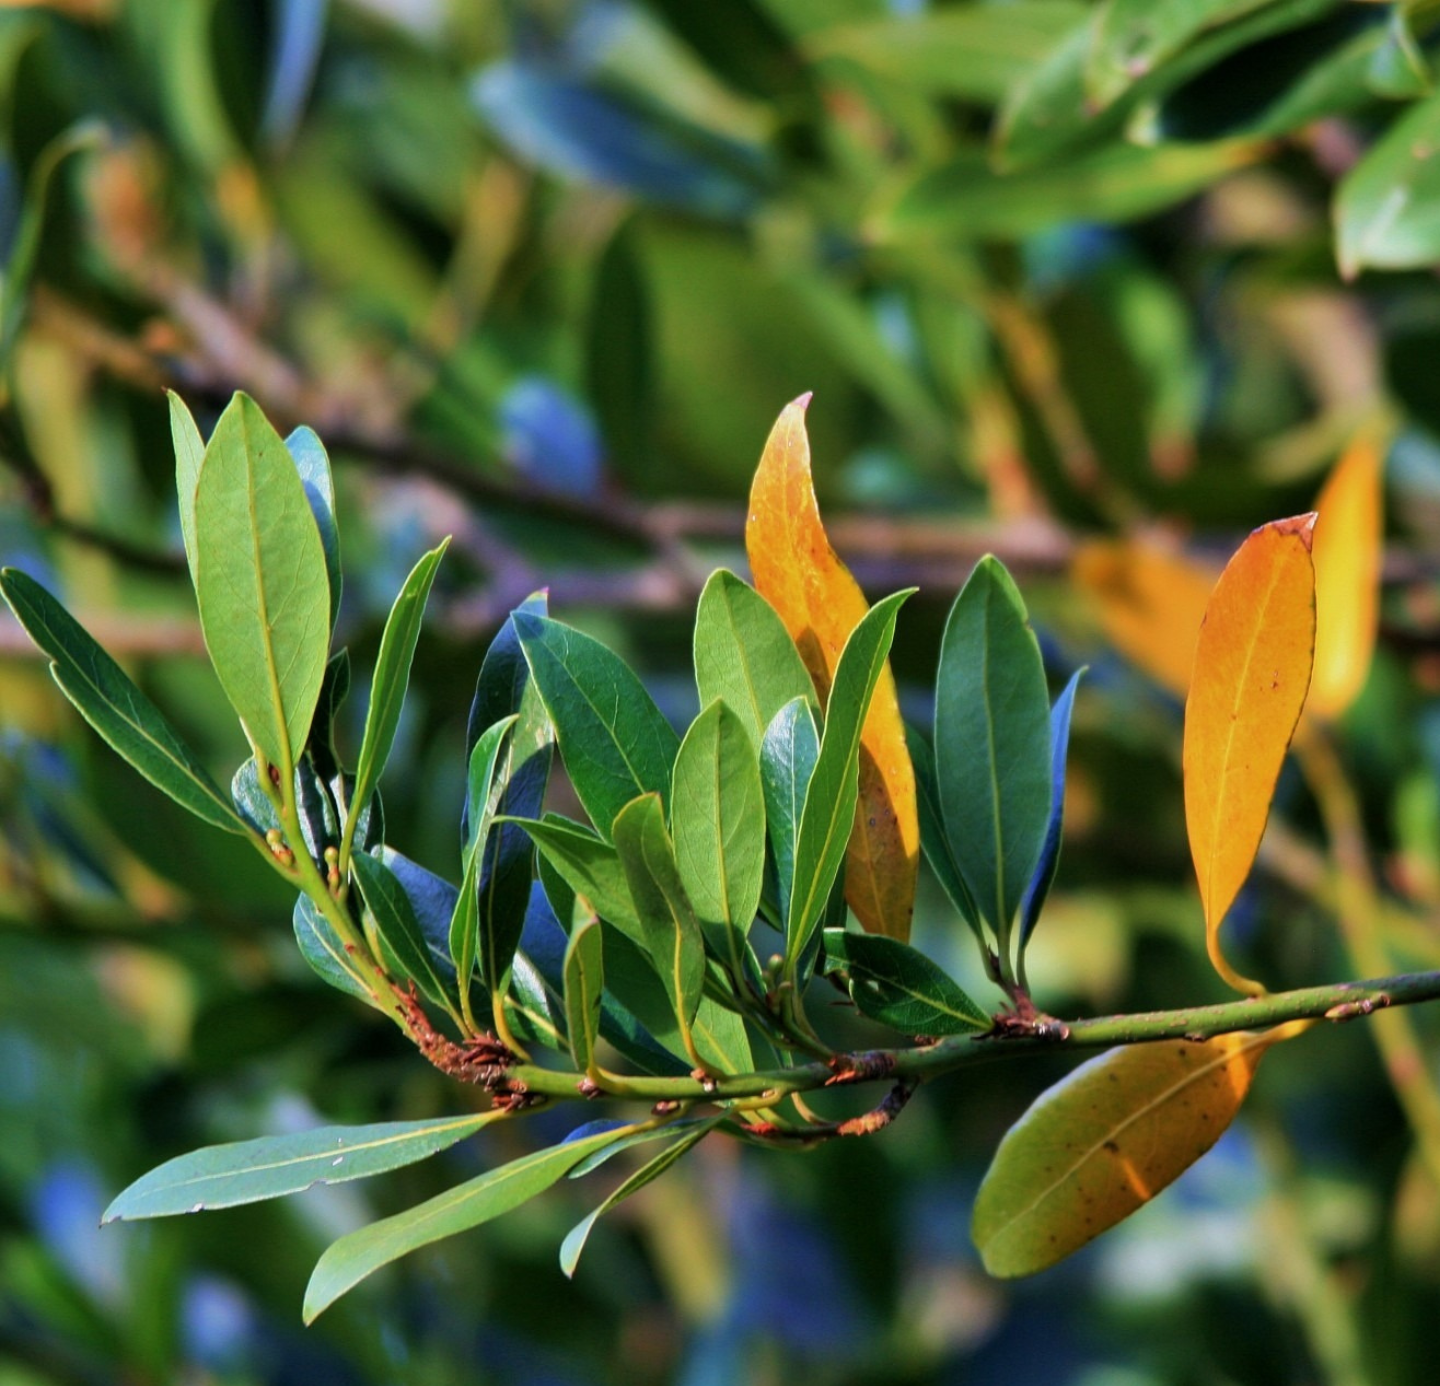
1105 1141
1348 551
1252 669
797 571
1151 603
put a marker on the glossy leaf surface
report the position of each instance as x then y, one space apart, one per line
264 595
313 464
933 837
222 1176
1045 868
820 603
590 867
787 763
1252 669
584 988
324 952
400 930
902 988
189 448
1104 1141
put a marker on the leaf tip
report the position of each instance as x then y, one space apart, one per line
1301 526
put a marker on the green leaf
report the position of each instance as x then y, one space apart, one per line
787 764
614 740
222 1176
119 711
189 455
313 464
933 839
590 867
465 921
392 673
899 986
348 1261
399 929
1387 209
667 918
584 988
264 595
717 818
829 812
319 820
574 1243
744 654
323 950
992 743
1039 888
719 1036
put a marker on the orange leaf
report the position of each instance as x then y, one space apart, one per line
798 572
1151 603
1252 669
1348 550
1106 1140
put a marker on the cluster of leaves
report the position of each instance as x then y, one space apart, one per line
642 935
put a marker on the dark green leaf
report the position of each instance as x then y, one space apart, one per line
584 987
399 929
119 711
313 464
615 742
899 986
787 763
589 867
618 357
222 1176
264 594
933 838
1039 887
992 743
348 1261
323 950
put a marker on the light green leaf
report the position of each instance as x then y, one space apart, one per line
392 673
900 987
744 654
119 711
787 763
584 988
189 455
347 1262
222 1176
829 812
590 867
325 953
717 818
264 595
992 743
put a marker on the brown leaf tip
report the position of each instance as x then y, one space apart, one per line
1302 526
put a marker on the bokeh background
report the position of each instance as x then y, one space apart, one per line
1066 280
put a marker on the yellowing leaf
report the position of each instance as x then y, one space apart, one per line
798 572
1348 550
1252 669
1106 1140
1150 601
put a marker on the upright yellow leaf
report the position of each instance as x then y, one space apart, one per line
1348 550
1105 1141
1252 669
1150 602
798 572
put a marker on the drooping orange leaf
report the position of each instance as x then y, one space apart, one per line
1348 550
1252 670
1105 1141
819 601
1151 602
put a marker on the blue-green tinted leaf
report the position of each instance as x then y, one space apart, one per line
787 763
119 711
992 743
933 839
1044 876
223 1176
899 986
399 929
313 464
348 1261
615 742
321 947
584 988
319 820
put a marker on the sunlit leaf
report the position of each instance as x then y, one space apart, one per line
1349 540
1252 670
799 574
1104 1141
584 987
189 455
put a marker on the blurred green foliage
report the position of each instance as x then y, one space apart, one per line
541 273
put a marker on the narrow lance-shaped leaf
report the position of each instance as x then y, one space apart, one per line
222 1176
787 763
745 656
667 918
1252 669
820 845
992 743
1106 1140
584 988
1040 883
120 712
615 742
392 673
798 572
590 868
189 455
349 1260
902 988
933 838
717 818
1349 539
400 930
313 464
264 595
